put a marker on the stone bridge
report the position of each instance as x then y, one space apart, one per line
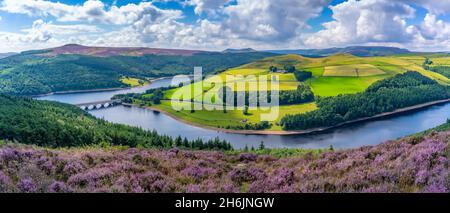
99 104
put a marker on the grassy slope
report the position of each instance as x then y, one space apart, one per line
33 73
322 85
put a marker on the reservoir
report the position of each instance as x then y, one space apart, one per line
351 136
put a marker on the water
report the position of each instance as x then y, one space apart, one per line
80 98
352 136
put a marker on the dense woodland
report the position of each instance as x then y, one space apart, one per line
53 124
31 73
401 91
302 75
302 94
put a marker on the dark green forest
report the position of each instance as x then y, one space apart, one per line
31 74
401 91
52 124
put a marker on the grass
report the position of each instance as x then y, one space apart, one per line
132 82
332 86
354 70
217 118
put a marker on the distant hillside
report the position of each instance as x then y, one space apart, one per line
4 55
112 51
75 67
245 50
362 51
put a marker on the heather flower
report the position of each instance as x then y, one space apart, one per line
5 182
92 178
376 189
58 187
422 177
247 157
27 185
436 188
72 168
153 182
396 166
9 154
230 188
45 164
193 188
239 176
284 177
127 184
198 173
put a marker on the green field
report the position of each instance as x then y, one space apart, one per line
132 82
354 70
218 119
332 76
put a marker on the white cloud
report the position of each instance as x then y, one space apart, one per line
261 24
271 21
359 22
211 7
62 29
43 35
91 11
433 6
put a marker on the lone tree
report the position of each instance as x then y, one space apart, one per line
246 110
262 146
273 69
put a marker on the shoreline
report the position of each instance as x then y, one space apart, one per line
298 132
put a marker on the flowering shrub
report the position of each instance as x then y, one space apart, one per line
406 165
27 185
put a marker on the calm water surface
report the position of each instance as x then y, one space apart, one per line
357 135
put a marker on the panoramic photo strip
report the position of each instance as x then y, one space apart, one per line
226 104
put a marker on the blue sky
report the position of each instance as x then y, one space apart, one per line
219 24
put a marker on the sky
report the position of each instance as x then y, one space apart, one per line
420 25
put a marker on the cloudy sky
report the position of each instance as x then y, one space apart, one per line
218 24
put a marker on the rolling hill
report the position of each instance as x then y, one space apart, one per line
4 55
76 67
362 51
75 49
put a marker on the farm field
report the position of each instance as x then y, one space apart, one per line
132 82
331 76
219 119
354 70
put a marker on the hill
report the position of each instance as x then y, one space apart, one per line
362 51
245 50
415 164
75 67
114 51
4 55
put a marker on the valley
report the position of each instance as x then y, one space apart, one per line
331 77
